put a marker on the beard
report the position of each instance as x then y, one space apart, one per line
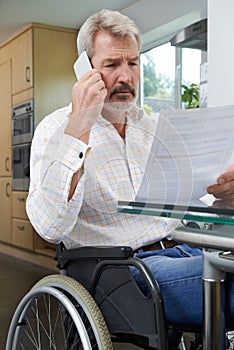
124 103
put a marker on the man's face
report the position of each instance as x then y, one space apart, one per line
118 62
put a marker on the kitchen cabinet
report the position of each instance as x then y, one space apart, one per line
5 212
42 59
19 202
5 118
23 234
21 51
35 64
22 231
5 151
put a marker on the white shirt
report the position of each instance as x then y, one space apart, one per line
113 170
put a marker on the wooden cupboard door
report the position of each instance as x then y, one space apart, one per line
54 52
22 234
21 51
5 212
19 204
5 118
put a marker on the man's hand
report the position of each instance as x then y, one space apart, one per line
224 188
88 97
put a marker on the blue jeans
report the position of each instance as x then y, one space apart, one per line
178 271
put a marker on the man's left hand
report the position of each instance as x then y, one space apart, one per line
224 188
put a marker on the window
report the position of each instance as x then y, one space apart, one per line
164 69
191 60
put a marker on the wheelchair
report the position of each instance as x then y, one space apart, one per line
92 303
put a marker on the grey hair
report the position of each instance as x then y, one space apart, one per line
112 22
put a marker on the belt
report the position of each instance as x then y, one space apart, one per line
163 244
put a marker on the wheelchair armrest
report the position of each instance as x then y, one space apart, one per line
92 252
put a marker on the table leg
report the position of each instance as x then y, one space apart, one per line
215 266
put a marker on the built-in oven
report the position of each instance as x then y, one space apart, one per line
20 166
22 133
22 122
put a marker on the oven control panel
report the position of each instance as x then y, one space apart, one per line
22 108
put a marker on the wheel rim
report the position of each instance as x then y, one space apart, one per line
48 321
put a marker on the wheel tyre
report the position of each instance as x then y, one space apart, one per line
58 313
87 303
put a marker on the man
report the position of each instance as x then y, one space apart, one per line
87 156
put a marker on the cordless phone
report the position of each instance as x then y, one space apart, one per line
82 65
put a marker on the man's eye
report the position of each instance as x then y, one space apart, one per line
111 65
133 64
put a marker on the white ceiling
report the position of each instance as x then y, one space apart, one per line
66 13
155 18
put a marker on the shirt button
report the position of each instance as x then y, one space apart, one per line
81 155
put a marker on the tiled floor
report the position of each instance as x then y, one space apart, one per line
16 278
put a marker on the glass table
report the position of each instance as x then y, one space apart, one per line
216 237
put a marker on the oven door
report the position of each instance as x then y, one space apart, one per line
20 167
22 129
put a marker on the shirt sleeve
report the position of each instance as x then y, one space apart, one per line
55 157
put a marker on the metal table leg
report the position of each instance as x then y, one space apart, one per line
217 261
214 303
215 266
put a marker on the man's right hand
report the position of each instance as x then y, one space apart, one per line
88 95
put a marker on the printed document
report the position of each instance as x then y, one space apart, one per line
191 148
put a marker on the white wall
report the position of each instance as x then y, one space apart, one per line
159 20
220 53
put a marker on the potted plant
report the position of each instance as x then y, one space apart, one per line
190 95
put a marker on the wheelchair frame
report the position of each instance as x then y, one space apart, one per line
100 277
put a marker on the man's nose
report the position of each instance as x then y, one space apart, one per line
124 74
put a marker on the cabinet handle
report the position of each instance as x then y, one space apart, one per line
7 164
21 228
21 199
27 74
8 189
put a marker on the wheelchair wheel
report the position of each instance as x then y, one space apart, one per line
58 313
